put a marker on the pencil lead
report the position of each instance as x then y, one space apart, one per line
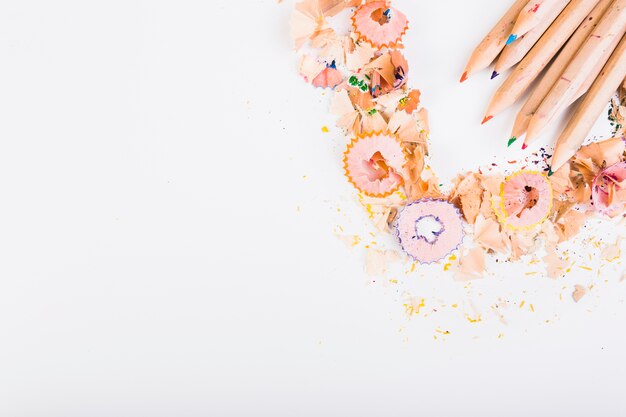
464 76
512 38
511 141
494 74
486 119
524 146
550 172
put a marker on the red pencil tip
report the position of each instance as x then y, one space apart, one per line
486 119
464 76
524 146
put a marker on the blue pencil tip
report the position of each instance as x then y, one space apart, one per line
494 75
512 38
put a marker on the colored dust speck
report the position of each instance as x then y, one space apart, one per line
532 307
586 268
325 129
521 305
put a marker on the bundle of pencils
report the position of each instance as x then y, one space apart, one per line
573 48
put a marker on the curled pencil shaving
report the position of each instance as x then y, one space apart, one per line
387 72
428 230
373 163
309 18
579 293
320 74
471 265
609 190
379 24
377 261
356 111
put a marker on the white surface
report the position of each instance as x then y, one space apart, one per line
166 232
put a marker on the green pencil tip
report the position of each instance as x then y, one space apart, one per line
550 172
511 141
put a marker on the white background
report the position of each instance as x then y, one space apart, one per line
168 214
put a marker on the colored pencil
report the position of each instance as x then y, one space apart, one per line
596 70
612 25
513 53
540 55
531 15
489 48
587 113
555 70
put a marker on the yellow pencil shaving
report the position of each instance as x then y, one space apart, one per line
473 320
401 195
411 309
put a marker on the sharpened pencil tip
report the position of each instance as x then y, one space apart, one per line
524 146
512 38
494 75
464 76
486 119
511 141
550 172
